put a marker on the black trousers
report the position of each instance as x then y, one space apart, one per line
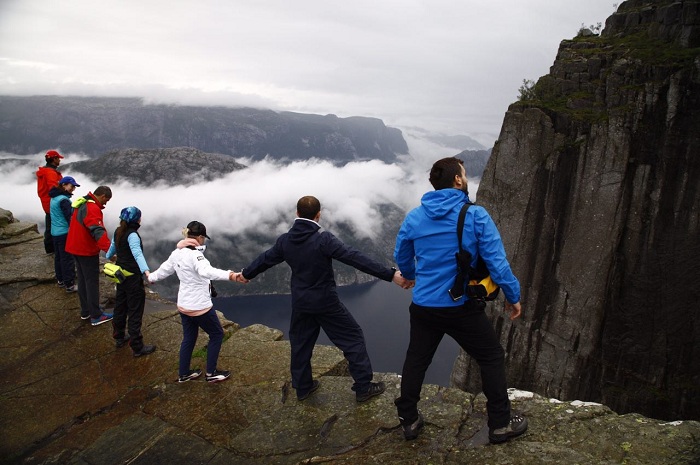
343 331
64 264
88 268
128 311
469 326
48 240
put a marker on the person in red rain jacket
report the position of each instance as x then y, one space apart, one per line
47 177
86 237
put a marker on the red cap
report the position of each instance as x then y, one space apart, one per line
53 154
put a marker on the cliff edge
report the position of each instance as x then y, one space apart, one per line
67 395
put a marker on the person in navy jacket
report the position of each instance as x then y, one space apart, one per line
310 252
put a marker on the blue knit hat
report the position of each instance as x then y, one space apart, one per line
130 214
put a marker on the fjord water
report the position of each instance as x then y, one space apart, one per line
380 308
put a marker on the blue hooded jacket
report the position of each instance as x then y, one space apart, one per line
427 243
310 253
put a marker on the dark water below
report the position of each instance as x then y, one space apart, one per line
380 308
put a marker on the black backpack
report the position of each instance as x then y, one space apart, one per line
476 282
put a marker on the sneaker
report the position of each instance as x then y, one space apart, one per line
218 375
514 428
374 390
60 284
84 317
314 387
411 431
191 375
72 288
104 318
145 350
122 342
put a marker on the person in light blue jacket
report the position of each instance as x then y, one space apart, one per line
425 253
60 211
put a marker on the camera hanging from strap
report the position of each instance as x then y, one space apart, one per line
476 282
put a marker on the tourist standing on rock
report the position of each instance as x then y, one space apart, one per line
86 237
61 211
315 303
47 177
131 294
194 300
425 252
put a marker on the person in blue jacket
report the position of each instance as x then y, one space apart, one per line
310 252
425 253
60 211
131 294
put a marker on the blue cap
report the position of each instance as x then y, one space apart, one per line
130 214
68 180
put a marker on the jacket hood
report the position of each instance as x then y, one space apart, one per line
302 230
56 191
439 203
191 242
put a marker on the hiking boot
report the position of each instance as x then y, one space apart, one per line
314 387
374 390
72 288
411 431
191 375
145 350
217 376
122 342
104 318
515 427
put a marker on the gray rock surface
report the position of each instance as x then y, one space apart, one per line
67 395
594 186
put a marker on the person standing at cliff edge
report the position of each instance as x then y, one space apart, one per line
47 177
425 252
315 304
61 212
86 237
194 300
131 295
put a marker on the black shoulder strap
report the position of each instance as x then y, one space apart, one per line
460 223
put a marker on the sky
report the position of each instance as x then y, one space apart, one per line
448 67
451 67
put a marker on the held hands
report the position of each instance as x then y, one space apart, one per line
237 277
402 282
514 309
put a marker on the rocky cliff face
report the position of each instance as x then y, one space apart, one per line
67 395
594 183
95 125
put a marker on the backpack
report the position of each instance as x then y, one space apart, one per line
476 281
115 273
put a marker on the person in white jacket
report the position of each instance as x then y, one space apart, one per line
194 300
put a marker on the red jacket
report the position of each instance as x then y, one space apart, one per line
46 178
87 234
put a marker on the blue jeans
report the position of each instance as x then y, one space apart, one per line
469 326
210 324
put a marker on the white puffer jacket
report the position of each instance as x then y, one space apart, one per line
194 272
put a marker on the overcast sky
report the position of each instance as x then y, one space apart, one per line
447 66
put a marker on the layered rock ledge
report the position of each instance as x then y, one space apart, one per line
67 395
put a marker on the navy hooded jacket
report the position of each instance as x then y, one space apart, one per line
310 253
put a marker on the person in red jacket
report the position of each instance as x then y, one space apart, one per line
47 177
86 237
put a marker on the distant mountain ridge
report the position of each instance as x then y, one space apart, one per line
95 125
